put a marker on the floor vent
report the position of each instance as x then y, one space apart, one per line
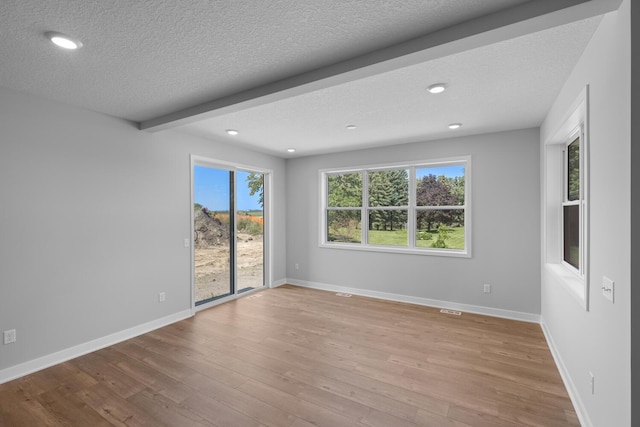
454 312
342 294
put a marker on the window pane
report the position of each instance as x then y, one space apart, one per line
344 226
344 190
573 168
440 186
571 221
440 228
389 188
388 227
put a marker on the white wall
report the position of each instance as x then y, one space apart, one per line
598 341
93 216
506 241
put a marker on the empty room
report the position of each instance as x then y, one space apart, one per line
318 213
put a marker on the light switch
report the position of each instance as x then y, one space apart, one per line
608 286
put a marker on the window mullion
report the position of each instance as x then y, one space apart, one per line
364 220
411 211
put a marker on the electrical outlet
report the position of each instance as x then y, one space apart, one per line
162 297
297 266
186 242
10 336
592 382
487 288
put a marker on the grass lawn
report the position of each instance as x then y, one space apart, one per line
455 238
251 213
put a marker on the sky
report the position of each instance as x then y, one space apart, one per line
449 171
211 189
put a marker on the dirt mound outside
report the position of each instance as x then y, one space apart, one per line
209 231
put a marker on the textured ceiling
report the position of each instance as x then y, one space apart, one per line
502 86
143 60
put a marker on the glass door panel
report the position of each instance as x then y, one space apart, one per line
213 228
250 229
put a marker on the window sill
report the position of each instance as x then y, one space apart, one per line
455 253
573 283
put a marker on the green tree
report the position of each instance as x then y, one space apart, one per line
573 158
399 180
434 191
388 188
443 233
345 190
255 182
380 194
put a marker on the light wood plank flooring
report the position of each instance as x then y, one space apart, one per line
295 357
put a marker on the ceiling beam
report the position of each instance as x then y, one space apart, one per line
516 21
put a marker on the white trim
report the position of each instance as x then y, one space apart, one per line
574 395
384 166
455 253
476 309
278 283
61 356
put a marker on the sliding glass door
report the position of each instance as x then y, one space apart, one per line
250 226
228 225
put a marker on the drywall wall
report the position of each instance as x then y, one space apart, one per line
93 218
505 227
598 340
635 213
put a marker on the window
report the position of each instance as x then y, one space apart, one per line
572 205
565 223
418 207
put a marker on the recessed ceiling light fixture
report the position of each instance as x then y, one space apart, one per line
437 87
291 150
455 125
63 40
232 132
352 127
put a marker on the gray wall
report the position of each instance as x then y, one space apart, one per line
598 340
93 216
506 223
635 213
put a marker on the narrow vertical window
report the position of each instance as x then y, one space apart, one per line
572 205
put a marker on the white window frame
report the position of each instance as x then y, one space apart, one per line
581 203
411 208
555 186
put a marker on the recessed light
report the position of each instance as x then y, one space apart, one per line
291 150
352 127
232 132
437 87
64 41
455 125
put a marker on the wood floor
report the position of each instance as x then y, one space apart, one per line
295 357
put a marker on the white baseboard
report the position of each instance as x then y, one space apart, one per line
488 311
279 283
578 405
17 371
